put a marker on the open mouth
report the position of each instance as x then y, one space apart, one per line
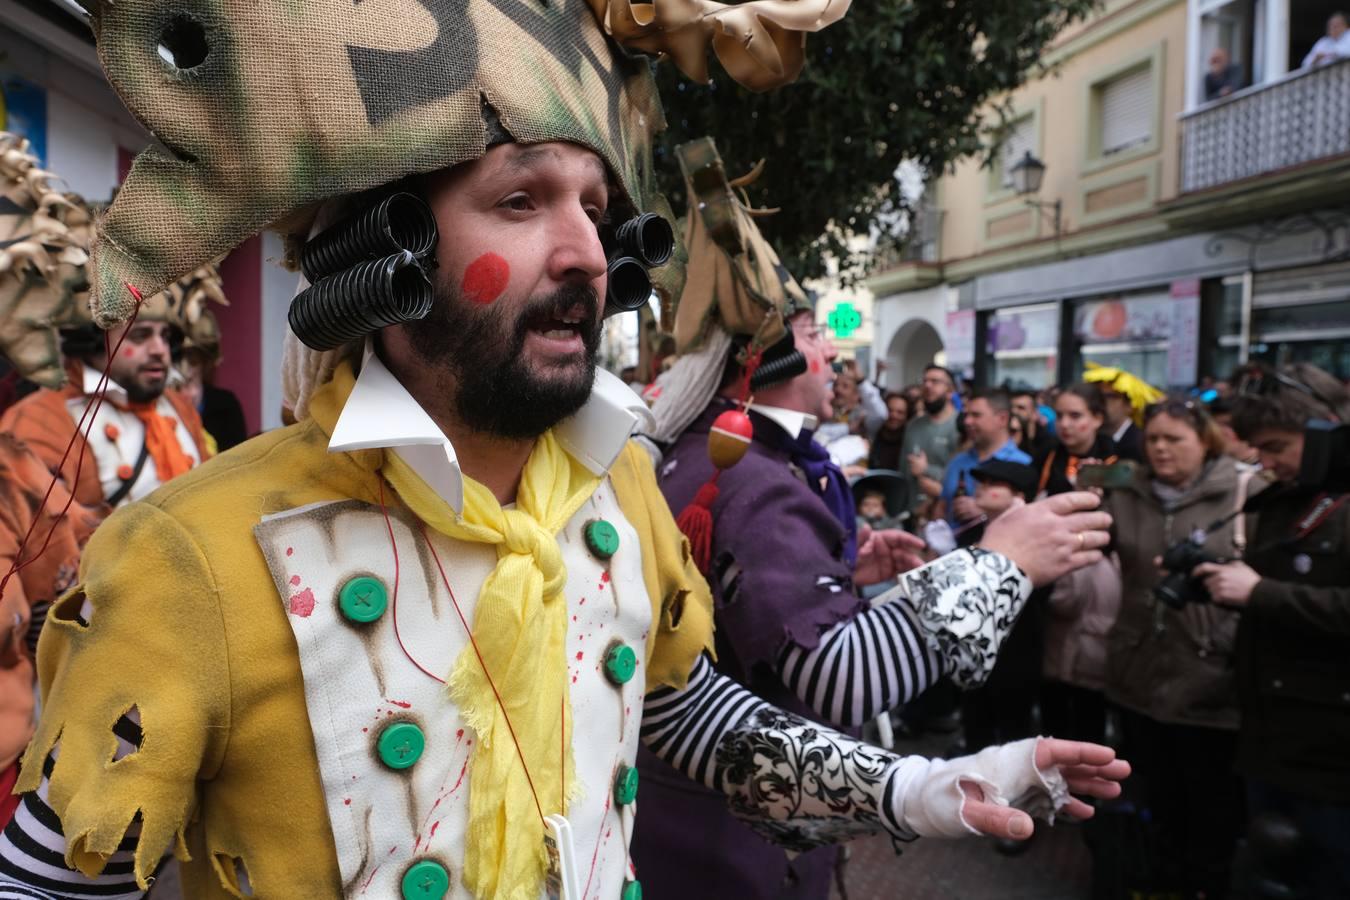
569 327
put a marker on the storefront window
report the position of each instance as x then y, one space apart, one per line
1317 333
1127 332
1023 345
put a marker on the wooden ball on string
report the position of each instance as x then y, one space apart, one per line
729 438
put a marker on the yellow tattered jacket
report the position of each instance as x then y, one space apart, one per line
187 628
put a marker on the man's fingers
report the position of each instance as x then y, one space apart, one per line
1088 521
997 821
1052 752
901 540
1100 788
1204 569
1072 502
1077 809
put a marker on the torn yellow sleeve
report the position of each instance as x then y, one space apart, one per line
154 641
682 607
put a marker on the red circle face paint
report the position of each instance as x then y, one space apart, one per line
815 366
485 278
129 352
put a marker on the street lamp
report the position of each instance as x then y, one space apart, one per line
1027 174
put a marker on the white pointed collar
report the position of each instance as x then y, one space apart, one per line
380 413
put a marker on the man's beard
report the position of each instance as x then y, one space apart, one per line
933 407
495 390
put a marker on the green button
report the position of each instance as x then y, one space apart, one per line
602 538
425 879
401 745
620 663
632 890
626 785
363 599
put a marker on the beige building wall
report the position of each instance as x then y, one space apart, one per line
1096 192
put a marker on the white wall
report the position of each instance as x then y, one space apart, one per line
86 121
894 312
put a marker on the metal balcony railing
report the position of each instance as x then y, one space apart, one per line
1265 128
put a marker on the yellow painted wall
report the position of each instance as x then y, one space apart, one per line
974 222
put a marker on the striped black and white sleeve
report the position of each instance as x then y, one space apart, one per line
803 785
863 667
33 846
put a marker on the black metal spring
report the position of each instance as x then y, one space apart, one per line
360 300
777 370
647 237
397 222
629 285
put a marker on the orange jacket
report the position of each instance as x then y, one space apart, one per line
42 421
24 480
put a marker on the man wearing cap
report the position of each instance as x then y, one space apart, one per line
986 419
408 646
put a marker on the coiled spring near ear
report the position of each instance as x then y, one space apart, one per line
643 242
366 273
781 362
361 300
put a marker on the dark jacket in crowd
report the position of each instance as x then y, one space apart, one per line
1174 666
1053 468
1293 651
888 449
1130 445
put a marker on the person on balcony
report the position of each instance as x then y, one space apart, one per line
1224 76
1333 45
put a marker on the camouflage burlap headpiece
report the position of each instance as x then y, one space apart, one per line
269 106
734 278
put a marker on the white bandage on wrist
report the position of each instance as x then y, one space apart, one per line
931 798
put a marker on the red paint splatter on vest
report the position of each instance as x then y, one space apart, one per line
485 278
295 580
580 655
290 551
302 604
402 704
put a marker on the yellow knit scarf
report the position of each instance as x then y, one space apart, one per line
520 626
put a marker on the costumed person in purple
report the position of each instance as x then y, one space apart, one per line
772 526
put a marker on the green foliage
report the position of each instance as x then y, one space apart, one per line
920 80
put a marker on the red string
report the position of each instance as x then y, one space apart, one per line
81 430
472 641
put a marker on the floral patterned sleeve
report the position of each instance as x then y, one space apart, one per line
804 785
967 602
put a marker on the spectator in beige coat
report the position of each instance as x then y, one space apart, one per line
1170 669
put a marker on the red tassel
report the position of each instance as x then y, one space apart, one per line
695 520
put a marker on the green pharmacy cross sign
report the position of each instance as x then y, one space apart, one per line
844 320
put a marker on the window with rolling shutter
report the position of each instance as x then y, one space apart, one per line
1021 140
1126 111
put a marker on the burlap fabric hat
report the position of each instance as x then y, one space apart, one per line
268 107
735 280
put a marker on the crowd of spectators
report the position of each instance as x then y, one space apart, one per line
1101 655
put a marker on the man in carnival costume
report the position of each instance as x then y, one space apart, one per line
141 434
41 289
772 524
407 646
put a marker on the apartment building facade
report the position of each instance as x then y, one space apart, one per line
1181 226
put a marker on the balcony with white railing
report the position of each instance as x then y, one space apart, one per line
1299 119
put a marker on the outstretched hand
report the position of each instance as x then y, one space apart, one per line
882 555
1088 769
1051 537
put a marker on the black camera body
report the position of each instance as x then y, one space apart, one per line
1179 588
